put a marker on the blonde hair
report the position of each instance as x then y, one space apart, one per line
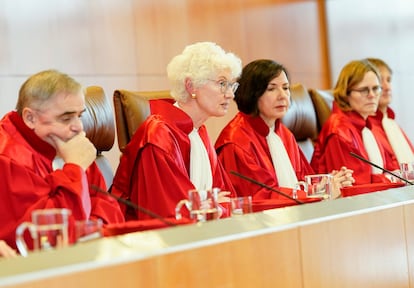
43 86
199 62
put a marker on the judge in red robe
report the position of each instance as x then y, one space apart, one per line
171 152
30 139
349 129
404 143
242 147
397 147
246 145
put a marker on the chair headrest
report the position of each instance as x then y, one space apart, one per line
131 110
322 100
301 117
98 119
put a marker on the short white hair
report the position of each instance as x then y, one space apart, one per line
199 62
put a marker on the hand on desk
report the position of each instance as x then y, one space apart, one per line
342 178
222 197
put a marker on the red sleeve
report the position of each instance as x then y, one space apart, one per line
337 152
23 191
162 181
236 159
157 179
103 206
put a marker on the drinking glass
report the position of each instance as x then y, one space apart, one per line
241 205
316 186
48 230
201 204
407 171
86 230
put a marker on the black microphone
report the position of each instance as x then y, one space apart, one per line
381 168
266 186
133 205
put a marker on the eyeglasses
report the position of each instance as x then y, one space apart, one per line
364 91
226 85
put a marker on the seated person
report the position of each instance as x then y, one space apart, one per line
348 129
45 159
256 144
397 147
171 153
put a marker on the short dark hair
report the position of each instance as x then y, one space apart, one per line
253 81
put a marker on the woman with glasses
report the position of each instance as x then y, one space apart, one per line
397 147
349 128
171 152
256 144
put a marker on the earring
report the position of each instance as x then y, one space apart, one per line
193 95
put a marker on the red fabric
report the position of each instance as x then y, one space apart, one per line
378 130
28 181
368 188
340 135
154 168
242 147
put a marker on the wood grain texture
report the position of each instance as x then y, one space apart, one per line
360 251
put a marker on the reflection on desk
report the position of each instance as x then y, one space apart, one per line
276 243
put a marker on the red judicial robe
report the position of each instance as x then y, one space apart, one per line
340 135
28 182
154 168
381 136
242 147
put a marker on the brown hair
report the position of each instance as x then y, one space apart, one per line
379 63
351 74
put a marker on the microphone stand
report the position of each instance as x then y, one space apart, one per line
266 186
134 206
381 168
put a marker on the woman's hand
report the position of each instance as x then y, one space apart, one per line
222 197
341 178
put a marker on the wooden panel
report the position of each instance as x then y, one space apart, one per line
131 275
409 228
264 261
269 260
78 37
127 44
9 93
366 250
289 34
354 242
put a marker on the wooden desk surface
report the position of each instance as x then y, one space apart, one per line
341 243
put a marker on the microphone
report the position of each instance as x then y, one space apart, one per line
266 186
133 205
381 168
